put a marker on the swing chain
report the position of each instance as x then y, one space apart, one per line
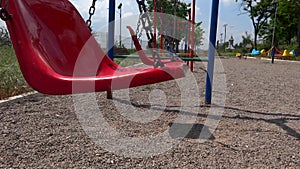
91 13
144 19
146 23
138 32
4 15
141 4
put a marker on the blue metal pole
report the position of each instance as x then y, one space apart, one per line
211 50
111 36
111 29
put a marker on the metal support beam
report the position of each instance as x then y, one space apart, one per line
111 29
211 50
111 35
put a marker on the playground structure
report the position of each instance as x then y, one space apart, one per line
240 55
53 68
169 26
145 59
285 54
57 53
274 51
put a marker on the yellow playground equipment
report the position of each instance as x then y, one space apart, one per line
263 53
287 53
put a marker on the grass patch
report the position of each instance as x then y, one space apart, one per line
11 79
126 62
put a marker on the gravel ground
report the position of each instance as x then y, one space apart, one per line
259 128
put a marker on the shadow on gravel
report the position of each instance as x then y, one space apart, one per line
263 113
195 129
179 130
280 122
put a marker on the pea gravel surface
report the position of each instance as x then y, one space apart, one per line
259 127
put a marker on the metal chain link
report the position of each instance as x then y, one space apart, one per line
4 15
91 13
141 4
138 33
144 19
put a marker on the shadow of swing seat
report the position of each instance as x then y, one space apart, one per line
57 53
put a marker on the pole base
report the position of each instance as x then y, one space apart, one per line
109 95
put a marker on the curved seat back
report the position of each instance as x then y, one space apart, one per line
51 31
58 55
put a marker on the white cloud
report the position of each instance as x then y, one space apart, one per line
84 6
128 14
228 2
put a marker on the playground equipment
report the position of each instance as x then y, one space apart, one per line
278 54
167 35
285 54
211 50
255 52
293 53
150 61
145 59
57 53
241 55
263 53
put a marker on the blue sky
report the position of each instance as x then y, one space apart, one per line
229 12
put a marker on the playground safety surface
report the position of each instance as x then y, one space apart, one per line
260 126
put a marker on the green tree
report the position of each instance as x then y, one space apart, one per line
246 39
172 13
296 13
286 21
259 12
198 35
166 5
246 44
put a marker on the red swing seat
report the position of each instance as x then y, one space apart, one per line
145 59
57 53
